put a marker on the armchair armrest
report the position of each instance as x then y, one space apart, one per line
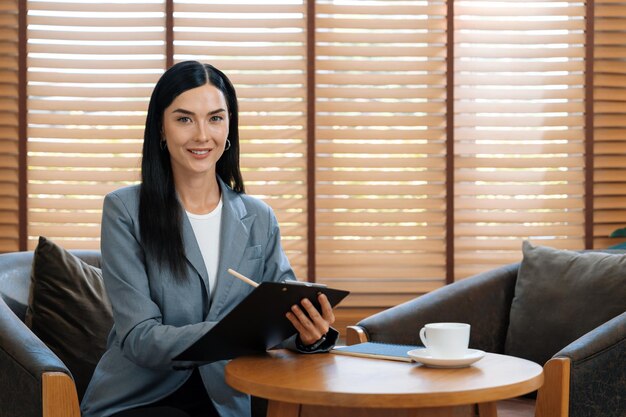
483 300
32 377
597 380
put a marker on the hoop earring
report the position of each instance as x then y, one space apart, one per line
163 144
227 147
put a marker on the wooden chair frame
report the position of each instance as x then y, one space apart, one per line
552 397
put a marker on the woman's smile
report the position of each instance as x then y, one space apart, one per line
200 153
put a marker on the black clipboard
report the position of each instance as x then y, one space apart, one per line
257 323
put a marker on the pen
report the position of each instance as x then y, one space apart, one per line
243 278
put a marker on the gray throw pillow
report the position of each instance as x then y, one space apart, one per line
68 309
559 296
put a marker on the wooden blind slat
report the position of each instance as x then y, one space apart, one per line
199 36
395 132
524 53
399 92
434 23
119 21
373 106
241 51
94 62
269 9
526 135
358 203
121 133
431 64
507 244
337 273
93 105
108 174
193 21
96 49
526 149
80 8
521 121
381 216
504 11
518 25
408 37
376 79
521 79
93 36
60 90
521 38
522 107
510 175
510 67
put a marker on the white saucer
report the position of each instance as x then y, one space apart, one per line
422 356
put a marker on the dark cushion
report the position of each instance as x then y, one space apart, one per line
68 309
559 296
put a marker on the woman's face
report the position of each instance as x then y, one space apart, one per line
195 127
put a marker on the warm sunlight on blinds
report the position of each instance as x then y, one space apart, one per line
261 46
380 75
92 66
380 148
519 129
609 120
9 189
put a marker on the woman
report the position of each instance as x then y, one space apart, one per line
166 245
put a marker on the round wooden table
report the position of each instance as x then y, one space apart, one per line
300 385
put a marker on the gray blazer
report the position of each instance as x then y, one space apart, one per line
157 317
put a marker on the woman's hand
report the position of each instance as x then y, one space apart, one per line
310 324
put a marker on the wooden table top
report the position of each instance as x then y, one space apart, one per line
346 381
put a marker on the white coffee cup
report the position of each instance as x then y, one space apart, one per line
446 340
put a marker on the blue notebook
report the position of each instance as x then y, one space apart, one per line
377 351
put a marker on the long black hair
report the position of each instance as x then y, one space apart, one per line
160 212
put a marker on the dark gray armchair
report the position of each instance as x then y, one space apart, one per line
34 382
585 378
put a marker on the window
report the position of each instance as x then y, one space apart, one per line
407 143
519 129
91 69
380 148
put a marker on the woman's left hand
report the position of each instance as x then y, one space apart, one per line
310 324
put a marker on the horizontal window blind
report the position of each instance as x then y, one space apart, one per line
380 135
519 129
261 46
609 121
9 120
380 148
91 68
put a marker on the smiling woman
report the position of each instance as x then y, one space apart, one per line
166 246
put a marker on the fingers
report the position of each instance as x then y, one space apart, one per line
310 324
327 309
302 331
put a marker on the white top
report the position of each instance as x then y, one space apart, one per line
206 227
